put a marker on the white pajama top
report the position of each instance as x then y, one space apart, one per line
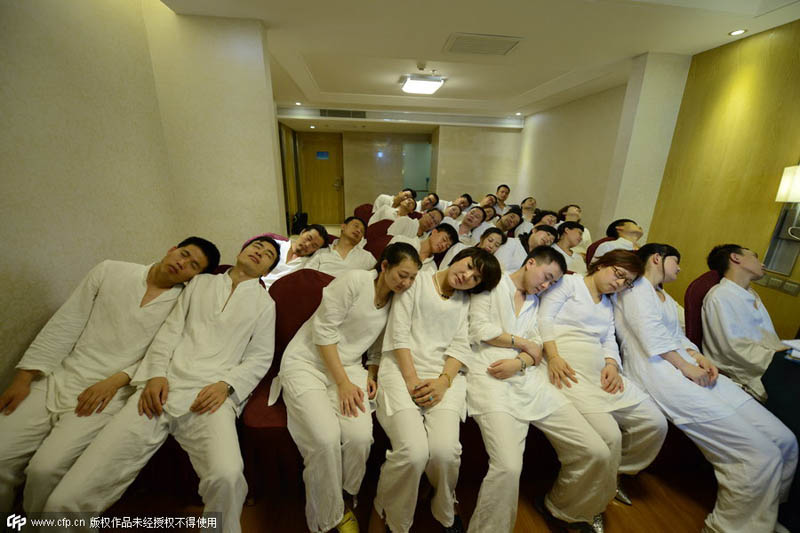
647 328
212 335
584 335
347 317
432 328
99 331
738 334
618 244
329 261
283 268
511 255
528 396
575 262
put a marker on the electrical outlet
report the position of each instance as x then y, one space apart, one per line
790 287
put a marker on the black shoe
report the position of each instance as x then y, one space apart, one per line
583 527
457 527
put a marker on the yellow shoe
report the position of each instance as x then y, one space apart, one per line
349 524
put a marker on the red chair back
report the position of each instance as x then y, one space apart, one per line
415 215
297 296
378 229
693 305
364 212
593 248
376 245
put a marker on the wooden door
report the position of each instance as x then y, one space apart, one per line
321 177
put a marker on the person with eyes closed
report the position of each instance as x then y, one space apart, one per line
572 213
295 254
75 375
211 352
453 211
441 239
576 320
474 218
569 236
325 385
421 394
407 206
430 201
344 253
421 227
753 454
514 251
508 390
491 240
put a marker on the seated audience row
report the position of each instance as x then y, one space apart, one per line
459 318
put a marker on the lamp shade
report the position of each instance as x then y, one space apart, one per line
789 190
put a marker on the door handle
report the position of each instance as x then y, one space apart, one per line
337 185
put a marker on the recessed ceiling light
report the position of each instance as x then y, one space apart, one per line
312 127
422 83
734 33
518 113
297 103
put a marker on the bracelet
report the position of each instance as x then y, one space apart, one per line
523 364
449 379
512 341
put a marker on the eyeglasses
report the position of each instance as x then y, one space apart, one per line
621 274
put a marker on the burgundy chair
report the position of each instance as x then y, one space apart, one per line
377 244
693 305
270 455
377 229
415 215
364 211
593 248
331 238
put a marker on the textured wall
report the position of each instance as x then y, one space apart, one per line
476 160
737 129
567 152
125 128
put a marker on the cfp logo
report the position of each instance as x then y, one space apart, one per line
16 522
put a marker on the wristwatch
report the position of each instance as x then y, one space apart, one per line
231 390
523 364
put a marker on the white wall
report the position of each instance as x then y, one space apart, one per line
125 128
567 152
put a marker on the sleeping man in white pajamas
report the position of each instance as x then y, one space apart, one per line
74 376
209 355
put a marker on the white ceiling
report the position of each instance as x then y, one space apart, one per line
351 53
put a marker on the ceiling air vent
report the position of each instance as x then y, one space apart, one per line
477 43
341 113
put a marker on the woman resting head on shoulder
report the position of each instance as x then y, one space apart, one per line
615 271
472 270
397 270
491 240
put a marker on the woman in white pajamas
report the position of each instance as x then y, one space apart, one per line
576 321
491 240
324 383
421 395
753 453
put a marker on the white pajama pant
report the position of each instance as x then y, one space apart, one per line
47 443
754 457
634 435
101 475
585 483
335 449
421 442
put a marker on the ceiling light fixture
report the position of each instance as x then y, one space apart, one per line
297 103
422 83
518 113
734 33
312 127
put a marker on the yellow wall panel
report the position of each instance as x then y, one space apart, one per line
739 126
